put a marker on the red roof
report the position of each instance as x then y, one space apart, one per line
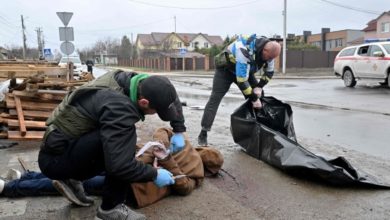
371 25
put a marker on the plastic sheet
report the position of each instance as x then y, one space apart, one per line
268 135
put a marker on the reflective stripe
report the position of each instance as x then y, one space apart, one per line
232 58
266 78
247 91
242 79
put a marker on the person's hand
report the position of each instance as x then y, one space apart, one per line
160 152
164 178
155 163
177 142
258 91
257 104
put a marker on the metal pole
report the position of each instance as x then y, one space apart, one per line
184 63
175 22
284 36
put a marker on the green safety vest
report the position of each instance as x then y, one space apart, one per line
68 119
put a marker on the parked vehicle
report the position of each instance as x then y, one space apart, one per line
78 66
369 61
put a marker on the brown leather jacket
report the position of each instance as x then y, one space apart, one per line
187 161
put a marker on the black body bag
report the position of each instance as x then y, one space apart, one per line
268 135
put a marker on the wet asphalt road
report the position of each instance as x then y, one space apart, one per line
324 109
247 188
355 118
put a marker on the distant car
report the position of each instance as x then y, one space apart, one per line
369 61
78 66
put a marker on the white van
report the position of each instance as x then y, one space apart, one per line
78 66
369 61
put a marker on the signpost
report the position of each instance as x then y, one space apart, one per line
183 52
65 17
66 35
67 48
47 53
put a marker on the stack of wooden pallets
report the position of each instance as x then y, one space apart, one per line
27 106
27 110
25 69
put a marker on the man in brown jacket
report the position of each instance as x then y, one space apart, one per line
187 163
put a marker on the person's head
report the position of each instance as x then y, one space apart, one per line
271 50
156 94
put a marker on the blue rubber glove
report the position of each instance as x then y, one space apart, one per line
177 142
164 178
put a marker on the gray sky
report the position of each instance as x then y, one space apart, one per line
98 19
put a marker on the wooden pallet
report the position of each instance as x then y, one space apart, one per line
25 110
28 113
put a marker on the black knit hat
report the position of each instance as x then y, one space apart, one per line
161 94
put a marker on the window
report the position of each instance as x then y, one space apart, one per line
339 42
385 27
179 44
316 43
347 52
387 47
206 45
329 44
373 49
363 51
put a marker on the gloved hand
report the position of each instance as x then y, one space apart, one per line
258 91
257 104
177 142
164 178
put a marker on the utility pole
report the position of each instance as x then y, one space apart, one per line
284 36
174 18
24 38
39 40
43 41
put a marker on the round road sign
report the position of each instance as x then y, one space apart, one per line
67 48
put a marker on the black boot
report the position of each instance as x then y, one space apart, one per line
73 190
202 138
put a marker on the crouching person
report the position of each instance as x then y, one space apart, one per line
93 131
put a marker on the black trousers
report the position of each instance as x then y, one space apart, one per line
222 80
82 159
89 69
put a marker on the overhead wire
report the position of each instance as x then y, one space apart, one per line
352 8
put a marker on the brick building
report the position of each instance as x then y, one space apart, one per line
332 40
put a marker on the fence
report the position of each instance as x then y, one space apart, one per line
295 59
309 59
170 63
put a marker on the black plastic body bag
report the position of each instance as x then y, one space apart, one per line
269 135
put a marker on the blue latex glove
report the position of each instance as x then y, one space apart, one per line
177 142
164 178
